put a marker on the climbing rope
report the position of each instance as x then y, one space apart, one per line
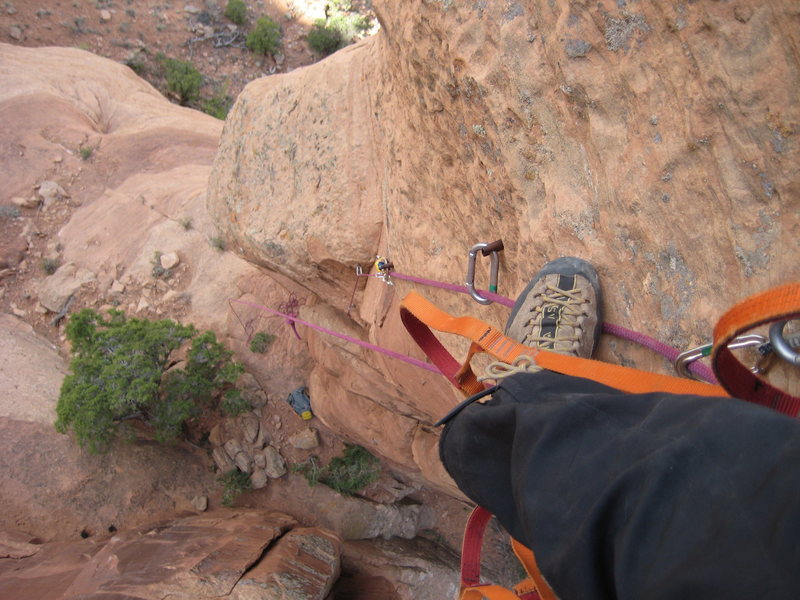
699 369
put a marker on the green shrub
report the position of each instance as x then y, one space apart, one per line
218 105
236 11
337 31
265 38
50 265
86 152
218 243
234 483
261 342
158 271
233 403
9 211
324 39
183 79
348 25
347 474
310 469
119 372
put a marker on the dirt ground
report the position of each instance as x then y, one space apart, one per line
135 32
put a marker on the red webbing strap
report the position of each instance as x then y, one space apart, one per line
471 547
418 315
778 304
471 586
444 361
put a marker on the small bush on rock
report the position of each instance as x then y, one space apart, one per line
234 483
121 370
261 342
233 403
335 32
347 474
218 105
183 79
236 11
265 38
324 39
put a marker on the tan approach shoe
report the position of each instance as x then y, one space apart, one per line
560 310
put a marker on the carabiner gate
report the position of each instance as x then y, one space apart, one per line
684 359
491 250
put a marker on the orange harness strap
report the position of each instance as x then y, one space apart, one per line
418 315
777 304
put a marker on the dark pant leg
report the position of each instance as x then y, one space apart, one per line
636 496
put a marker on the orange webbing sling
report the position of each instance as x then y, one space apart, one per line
419 316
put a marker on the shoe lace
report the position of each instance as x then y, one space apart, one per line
500 370
572 303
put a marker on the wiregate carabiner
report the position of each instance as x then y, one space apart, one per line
491 250
684 359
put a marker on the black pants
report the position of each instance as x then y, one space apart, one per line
636 497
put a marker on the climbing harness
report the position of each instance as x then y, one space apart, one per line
420 316
492 250
776 305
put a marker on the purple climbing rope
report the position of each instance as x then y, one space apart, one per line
293 319
700 369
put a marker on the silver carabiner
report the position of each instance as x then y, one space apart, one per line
685 359
492 251
782 347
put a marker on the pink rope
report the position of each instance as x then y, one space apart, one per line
292 308
698 368
294 319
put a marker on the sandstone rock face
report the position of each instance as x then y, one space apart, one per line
302 565
216 555
423 570
31 372
658 142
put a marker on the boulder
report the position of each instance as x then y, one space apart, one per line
233 447
305 439
56 290
250 428
170 260
222 460
244 462
258 478
260 460
26 202
275 465
50 192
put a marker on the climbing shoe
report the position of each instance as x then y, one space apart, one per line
560 309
